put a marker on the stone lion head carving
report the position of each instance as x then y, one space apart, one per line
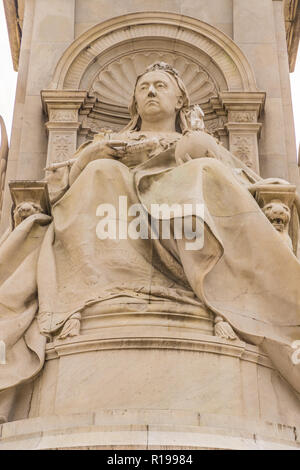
24 210
278 213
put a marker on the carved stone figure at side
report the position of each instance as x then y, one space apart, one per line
25 209
162 157
279 215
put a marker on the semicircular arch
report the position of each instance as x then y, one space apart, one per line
201 43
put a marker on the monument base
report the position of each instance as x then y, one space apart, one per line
156 381
147 430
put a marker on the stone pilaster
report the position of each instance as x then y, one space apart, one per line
62 109
244 110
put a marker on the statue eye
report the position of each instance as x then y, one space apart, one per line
143 87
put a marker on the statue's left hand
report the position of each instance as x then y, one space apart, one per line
223 329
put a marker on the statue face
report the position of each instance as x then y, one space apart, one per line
157 96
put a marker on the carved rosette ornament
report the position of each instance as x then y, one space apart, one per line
242 147
62 146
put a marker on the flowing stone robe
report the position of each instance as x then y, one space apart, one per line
244 272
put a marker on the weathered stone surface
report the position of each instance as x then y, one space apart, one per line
149 344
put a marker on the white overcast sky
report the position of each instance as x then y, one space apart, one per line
8 80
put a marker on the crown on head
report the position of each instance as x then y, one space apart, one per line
163 66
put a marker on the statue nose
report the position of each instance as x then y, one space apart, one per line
152 91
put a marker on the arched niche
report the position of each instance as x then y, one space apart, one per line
171 33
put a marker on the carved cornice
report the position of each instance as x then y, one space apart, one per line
244 127
292 27
254 101
57 99
61 108
14 12
204 343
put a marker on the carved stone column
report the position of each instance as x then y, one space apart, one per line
244 109
62 109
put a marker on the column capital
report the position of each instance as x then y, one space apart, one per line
62 100
243 101
244 126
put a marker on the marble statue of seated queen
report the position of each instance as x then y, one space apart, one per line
163 156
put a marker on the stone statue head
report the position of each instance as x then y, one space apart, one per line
176 102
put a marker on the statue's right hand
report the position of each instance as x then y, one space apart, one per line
107 149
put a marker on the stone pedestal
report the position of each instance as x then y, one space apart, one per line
156 381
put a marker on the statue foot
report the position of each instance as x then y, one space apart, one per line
223 329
